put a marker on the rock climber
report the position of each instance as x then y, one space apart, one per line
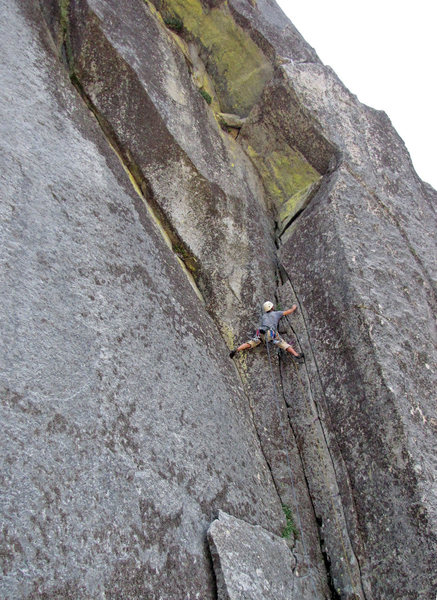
268 331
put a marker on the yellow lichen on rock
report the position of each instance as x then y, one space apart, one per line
287 177
230 341
228 335
293 204
201 78
237 66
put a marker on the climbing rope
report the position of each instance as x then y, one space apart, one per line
292 480
293 485
319 452
284 439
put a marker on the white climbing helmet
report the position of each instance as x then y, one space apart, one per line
267 306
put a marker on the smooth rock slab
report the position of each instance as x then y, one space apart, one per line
124 427
250 563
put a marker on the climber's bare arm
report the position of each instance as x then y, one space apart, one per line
289 311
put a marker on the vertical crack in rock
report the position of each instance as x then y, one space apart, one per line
320 468
300 197
142 187
280 450
282 127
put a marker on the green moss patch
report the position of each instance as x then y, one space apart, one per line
206 96
290 527
174 23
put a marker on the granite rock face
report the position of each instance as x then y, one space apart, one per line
166 167
124 429
367 290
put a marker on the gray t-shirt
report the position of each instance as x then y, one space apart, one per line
270 319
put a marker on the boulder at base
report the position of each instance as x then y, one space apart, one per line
251 563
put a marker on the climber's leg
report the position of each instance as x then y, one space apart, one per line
246 346
283 344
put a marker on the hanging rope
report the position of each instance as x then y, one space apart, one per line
319 452
293 485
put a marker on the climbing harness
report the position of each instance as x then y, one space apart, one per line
268 333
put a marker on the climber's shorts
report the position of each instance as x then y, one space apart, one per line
271 337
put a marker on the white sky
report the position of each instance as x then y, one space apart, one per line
385 52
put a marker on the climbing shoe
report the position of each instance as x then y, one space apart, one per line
232 353
300 358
